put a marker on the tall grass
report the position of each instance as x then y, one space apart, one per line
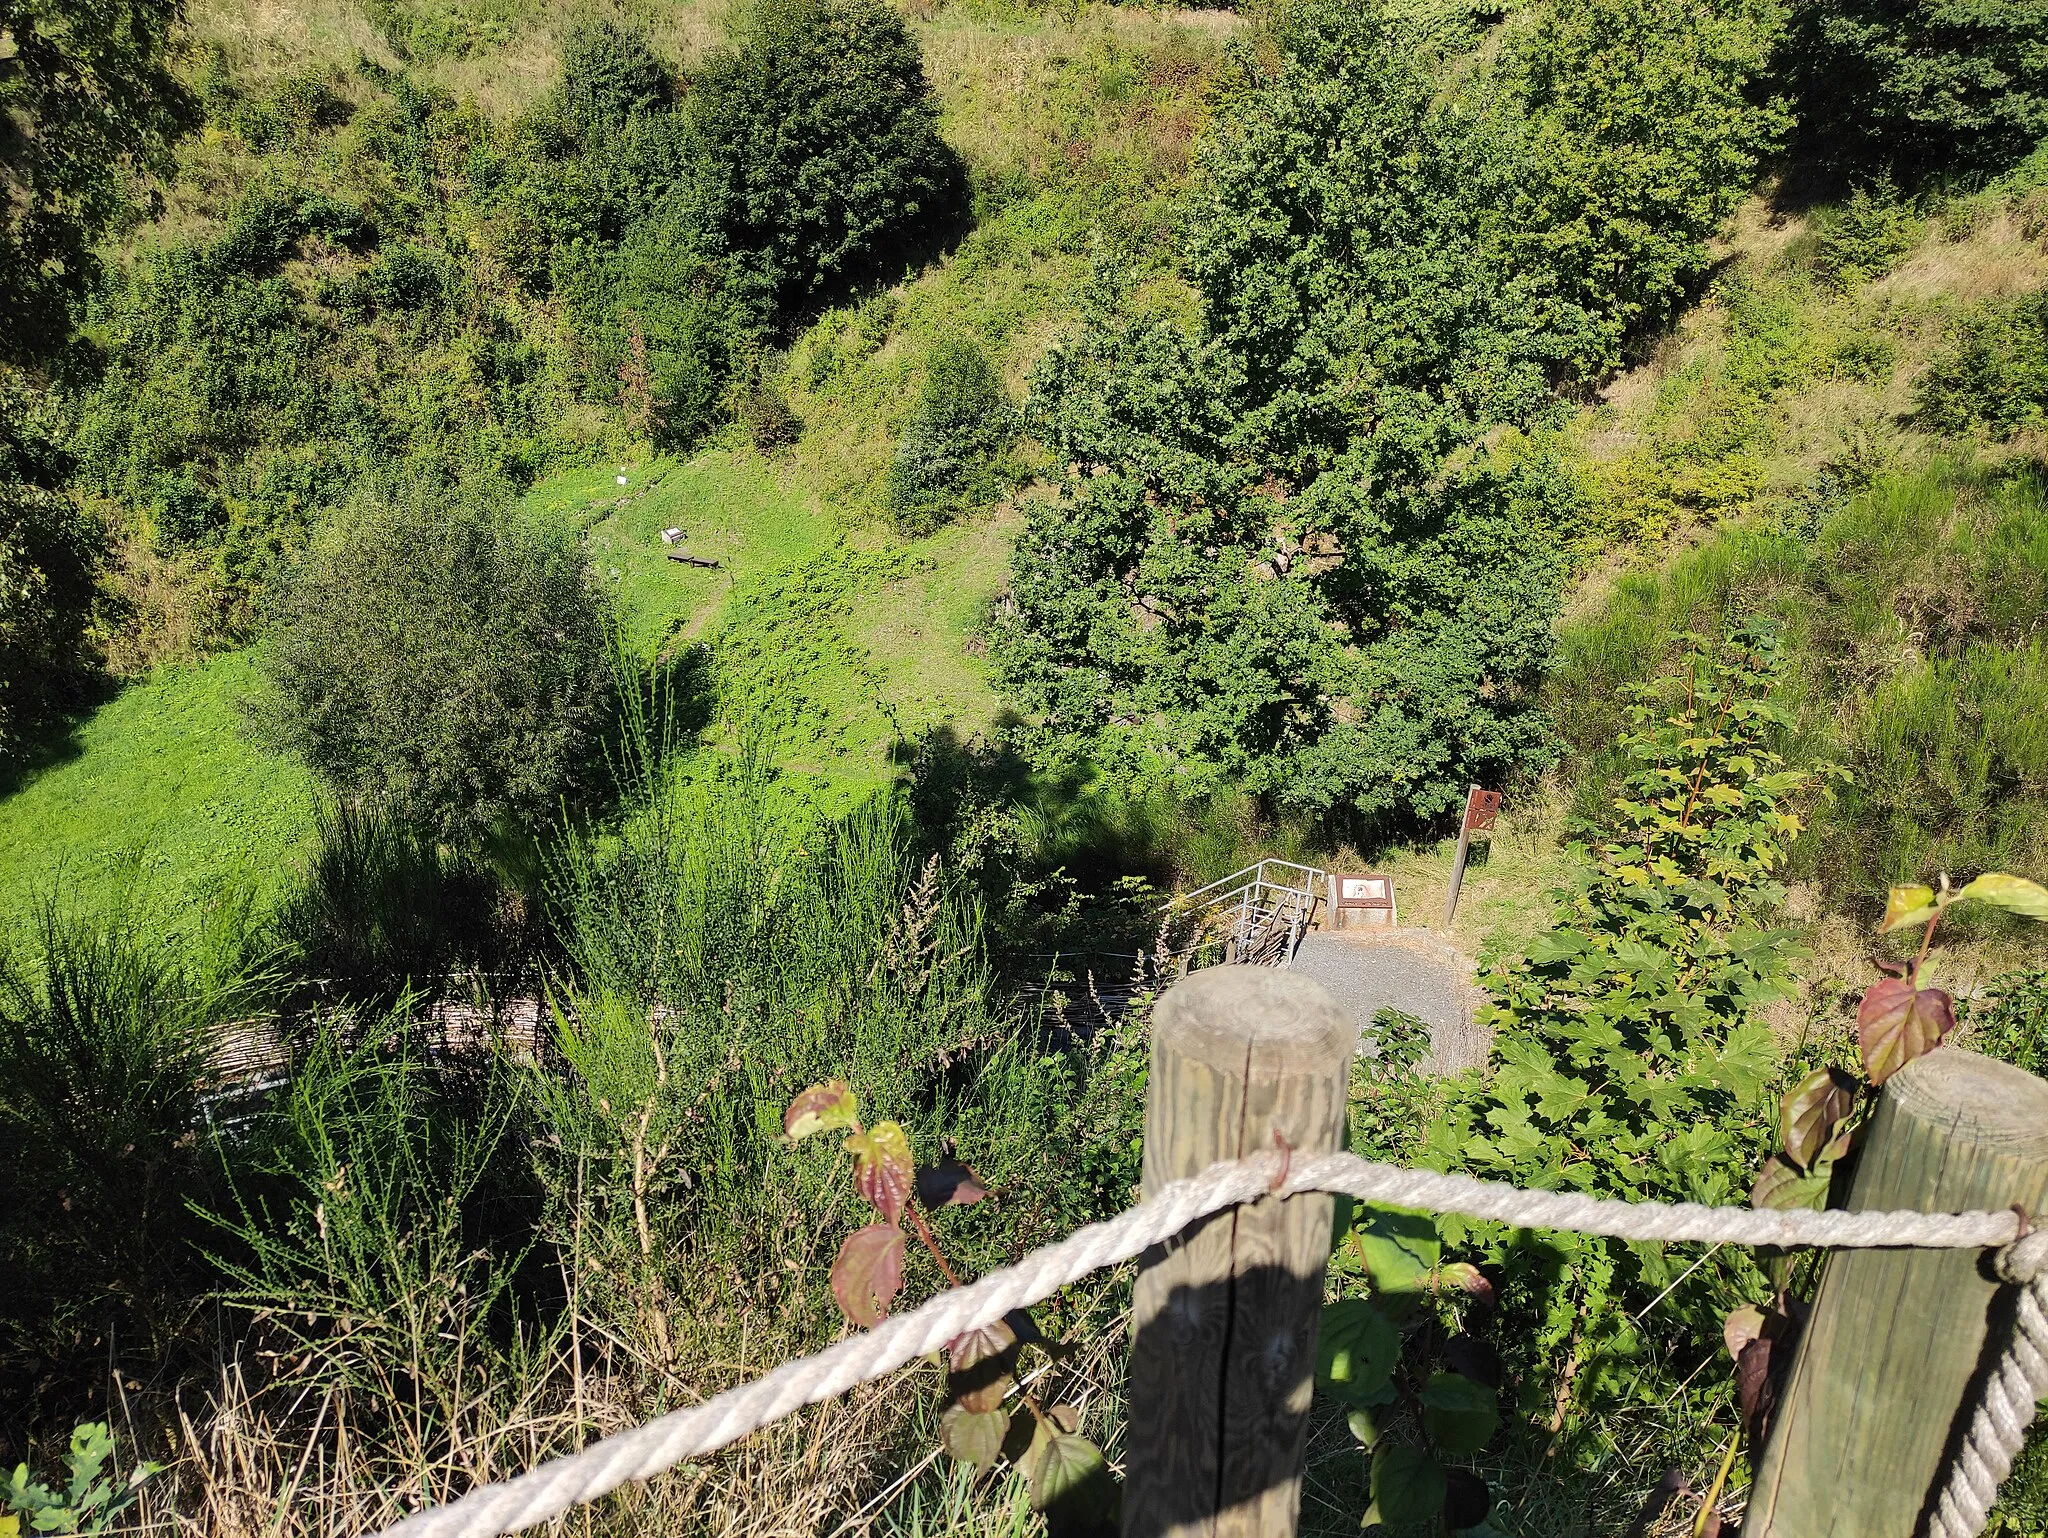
105 1042
381 907
438 1267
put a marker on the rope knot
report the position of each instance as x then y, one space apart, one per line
2025 1259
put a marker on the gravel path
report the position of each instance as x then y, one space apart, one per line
1411 969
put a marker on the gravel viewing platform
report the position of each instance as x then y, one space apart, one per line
1367 970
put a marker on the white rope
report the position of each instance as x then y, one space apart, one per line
1999 1428
556 1486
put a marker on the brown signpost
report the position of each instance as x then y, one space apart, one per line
1481 808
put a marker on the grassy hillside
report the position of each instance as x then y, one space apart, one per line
842 639
158 802
1794 450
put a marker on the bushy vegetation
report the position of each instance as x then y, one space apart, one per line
500 1164
91 103
1993 372
400 277
444 657
1919 89
961 425
47 559
1910 615
1281 552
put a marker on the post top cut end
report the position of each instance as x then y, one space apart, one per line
1218 1014
1980 1098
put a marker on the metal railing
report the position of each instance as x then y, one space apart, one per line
1255 916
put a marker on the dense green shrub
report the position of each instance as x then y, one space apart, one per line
444 656
1278 551
961 425
89 101
1919 88
1863 236
1991 371
820 165
1644 130
610 76
47 555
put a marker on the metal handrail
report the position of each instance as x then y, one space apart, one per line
1183 901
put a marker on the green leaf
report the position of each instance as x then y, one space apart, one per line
1459 1414
1907 906
1400 1246
1356 1349
1362 1427
883 1169
1782 1188
1407 1486
2015 894
868 1273
821 1108
1813 1113
1071 1484
974 1437
1899 1022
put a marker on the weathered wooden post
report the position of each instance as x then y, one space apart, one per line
1884 1381
1224 1316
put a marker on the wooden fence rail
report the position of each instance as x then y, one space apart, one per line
1888 1372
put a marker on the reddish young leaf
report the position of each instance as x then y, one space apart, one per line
949 1183
1469 1280
982 1364
1742 1327
963 1351
1812 1115
1753 1389
1898 1022
869 1273
821 1108
882 1167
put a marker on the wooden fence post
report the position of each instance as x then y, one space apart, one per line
1224 1315
1887 1370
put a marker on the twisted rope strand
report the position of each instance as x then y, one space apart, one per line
556 1486
1999 1428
